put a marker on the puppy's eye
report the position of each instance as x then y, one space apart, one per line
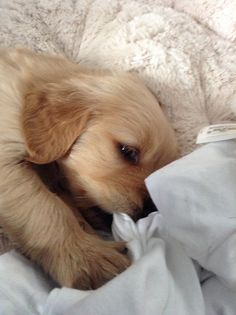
129 153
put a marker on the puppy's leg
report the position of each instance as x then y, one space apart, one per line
46 230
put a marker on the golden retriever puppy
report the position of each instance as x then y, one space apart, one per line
107 133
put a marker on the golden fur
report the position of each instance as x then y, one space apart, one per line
53 110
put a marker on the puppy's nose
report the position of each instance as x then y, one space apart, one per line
148 207
137 213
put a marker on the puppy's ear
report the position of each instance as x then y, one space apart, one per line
54 116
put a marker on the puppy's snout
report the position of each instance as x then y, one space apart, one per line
141 212
148 207
137 213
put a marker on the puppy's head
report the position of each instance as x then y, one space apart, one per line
106 130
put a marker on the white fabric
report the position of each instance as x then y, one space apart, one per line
196 220
23 288
196 197
162 279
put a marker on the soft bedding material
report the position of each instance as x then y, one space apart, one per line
190 65
185 52
184 255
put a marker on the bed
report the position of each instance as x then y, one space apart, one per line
185 51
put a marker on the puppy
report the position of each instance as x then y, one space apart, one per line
107 133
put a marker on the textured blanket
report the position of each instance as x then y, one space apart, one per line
185 53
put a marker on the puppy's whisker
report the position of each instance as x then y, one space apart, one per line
81 198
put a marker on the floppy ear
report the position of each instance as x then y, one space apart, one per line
54 115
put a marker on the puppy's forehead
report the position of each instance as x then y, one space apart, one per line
134 129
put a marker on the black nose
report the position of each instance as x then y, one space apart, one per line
137 214
148 207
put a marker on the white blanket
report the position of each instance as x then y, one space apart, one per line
196 220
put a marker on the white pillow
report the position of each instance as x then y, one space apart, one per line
196 196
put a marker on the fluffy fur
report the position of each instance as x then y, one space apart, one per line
53 110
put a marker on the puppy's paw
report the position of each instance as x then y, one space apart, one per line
102 262
86 263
